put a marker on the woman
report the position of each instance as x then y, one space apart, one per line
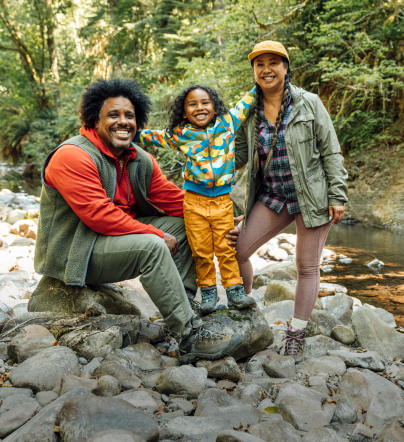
295 173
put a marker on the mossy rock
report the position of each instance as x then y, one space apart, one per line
52 295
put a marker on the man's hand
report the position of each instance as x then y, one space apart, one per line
336 213
233 234
172 243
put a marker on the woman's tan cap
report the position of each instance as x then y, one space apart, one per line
268 47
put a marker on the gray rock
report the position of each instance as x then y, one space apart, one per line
70 382
217 403
303 408
249 393
318 382
375 334
10 391
236 436
343 334
226 368
41 427
29 341
279 311
144 355
52 295
3 351
279 366
84 415
360 387
319 345
275 431
368 359
15 411
107 386
45 370
329 365
362 433
279 291
140 399
186 380
250 324
383 410
88 370
383 314
193 428
255 364
46 397
116 436
92 344
340 306
285 271
321 435
393 433
321 323
179 403
344 412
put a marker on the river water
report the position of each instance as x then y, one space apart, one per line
361 243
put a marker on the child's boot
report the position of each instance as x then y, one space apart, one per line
209 300
237 297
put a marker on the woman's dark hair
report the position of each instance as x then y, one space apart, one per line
279 118
177 107
99 91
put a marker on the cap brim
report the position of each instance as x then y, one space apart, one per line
255 54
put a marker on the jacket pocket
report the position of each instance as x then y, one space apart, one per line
317 187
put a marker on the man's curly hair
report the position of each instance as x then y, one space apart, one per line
177 108
99 91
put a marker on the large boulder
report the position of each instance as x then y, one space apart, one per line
55 296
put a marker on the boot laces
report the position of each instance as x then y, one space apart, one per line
294 341
208 294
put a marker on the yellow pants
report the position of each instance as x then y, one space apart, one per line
207 220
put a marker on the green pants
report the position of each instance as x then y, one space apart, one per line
118 258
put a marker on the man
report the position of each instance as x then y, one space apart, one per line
108 214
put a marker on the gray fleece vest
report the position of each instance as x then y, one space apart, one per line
64 243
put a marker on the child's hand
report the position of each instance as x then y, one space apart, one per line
233 234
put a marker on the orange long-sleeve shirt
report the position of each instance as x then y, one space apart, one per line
72 172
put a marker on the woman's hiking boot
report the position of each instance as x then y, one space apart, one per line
209 300
202 343
294 343
237 297
194 304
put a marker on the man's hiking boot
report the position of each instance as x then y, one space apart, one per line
191 298
294 343
209 300
237 297
206 344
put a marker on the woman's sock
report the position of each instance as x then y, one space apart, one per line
298 324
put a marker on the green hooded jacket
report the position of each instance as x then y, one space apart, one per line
315 158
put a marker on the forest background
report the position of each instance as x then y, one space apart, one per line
350 52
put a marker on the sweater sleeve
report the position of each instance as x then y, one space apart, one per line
241 110
72 172
158 138
164 194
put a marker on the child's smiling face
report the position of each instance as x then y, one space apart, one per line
199 108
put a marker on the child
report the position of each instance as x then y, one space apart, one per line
202 128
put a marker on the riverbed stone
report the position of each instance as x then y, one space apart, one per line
279 366
275 431
45 370
186 379
321 322
277 291
329 365
87 370
321 435
141 399
10 391
344 412
29 341
70 382
393 433
92 344
144 355
226 368
179 403
302 407
374 334
84 415
107 386
383 410
343 334
45 397
215 402
360 387
236 436
53 295
249 392
368 359
25 227
316 346
115 435
281 311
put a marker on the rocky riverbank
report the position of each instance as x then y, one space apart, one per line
100 376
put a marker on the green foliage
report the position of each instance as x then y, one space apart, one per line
348 51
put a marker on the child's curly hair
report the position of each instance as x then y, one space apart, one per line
177 107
